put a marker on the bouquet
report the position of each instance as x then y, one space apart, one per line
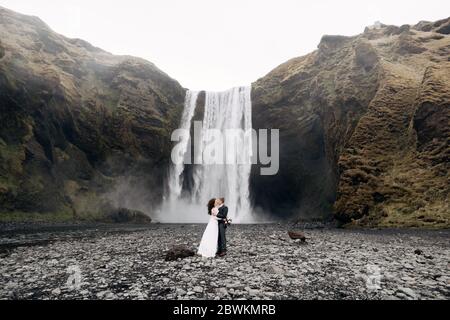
227 222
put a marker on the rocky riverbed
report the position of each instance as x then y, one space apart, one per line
127 262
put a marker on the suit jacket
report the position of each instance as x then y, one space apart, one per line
222 215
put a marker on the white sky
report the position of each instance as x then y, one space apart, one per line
215 45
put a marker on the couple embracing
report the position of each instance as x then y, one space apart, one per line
214 241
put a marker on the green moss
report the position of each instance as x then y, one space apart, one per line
62 216
9 79
10 151
112 100
65 215
92 217
11 158
7 183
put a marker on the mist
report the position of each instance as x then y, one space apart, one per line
185 211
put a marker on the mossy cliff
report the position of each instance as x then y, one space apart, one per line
364 125
80 127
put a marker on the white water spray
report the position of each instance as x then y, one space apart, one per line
175 179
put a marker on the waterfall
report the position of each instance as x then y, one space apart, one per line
175 178
226 110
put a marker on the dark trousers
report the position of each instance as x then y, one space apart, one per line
222 241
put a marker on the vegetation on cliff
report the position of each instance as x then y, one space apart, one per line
364 126
81 129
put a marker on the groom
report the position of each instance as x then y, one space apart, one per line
222 215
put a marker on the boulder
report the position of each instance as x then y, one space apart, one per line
179 252
296 235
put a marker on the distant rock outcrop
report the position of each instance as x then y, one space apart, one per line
123 215
364 129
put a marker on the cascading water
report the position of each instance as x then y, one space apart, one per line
223 111
175 181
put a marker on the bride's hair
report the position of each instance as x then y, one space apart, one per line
211 204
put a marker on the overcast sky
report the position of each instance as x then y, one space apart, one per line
215 45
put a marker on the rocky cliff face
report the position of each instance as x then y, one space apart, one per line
78 124
364 125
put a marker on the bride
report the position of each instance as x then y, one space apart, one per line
208 245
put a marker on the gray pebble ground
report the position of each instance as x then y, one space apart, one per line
124 262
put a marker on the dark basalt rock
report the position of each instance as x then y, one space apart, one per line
425 26
332 42
123 215
440 26
179 252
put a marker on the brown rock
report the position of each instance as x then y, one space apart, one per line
296 235
179 252
408 45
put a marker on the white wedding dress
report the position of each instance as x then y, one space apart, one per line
208 245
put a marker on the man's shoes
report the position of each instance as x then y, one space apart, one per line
223 254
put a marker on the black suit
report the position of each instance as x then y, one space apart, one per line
222 241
